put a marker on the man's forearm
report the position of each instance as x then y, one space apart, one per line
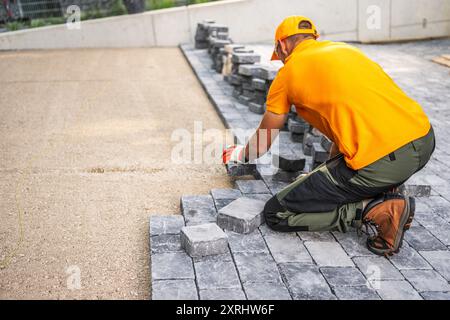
260 143
266 133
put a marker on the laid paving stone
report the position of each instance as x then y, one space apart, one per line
222 294
328 254
356 293
166 224
266 291
220 194
252 242
203 240
297 137
266 230
426 280
415 190
165 243
420 238
305 282
276 186
377 268
252 186
267 72
326 143
243 215
198 209
435 295
353 244
248 69
343 276
439 206
259 84
257 268
173 265
408 258
174 290
318 153
216 275
396 290
316 236
287 247
440 260
257 108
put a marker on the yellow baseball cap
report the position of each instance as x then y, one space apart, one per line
290 26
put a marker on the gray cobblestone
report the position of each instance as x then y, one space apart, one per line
256 108
170 266
252 242
408 258
415 190
426 237
356 293
174 290
316 236
252 186
287 247
353 244
243 215
377 268
245 58
214 258
435 295
426 280
421 239
343 276
305 282
204 240
396 290
321 253
222 294
318 153
439 206
266 291
198 209
440 260
220 194
237 170
259 196
216 275
437 226
166 224
257 267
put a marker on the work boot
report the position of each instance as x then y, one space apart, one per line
391 215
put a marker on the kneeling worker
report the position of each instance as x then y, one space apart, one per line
381 137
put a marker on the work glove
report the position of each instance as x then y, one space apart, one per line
234 154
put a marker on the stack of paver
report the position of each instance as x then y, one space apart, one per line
243 62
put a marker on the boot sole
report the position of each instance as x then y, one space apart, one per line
405 224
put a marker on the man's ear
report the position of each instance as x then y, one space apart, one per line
283 47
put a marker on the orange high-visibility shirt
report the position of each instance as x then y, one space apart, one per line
349 98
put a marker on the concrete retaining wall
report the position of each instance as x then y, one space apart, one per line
249 21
